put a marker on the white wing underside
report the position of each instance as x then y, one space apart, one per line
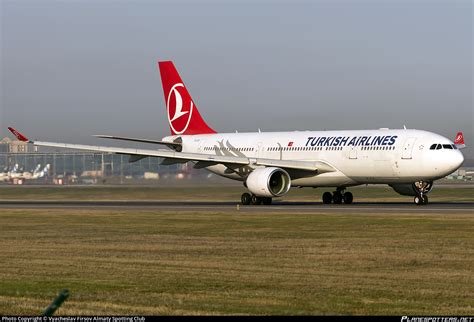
314 166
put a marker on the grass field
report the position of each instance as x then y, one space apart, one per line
151 262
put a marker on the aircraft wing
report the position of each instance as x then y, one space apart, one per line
170 144
167 154
171 156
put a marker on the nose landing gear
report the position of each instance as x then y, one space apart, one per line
422 188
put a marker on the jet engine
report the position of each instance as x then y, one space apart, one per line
413 189
268 182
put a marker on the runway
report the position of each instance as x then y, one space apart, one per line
276 207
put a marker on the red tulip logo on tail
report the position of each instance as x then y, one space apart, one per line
459 138
179 111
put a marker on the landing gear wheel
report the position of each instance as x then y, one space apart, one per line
425 200
337 197
421 200
267 200
256 200
348 198
418 201
246 198
327 198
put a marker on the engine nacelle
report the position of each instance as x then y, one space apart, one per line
412 189
268 182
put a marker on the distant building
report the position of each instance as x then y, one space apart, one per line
9 146
5 145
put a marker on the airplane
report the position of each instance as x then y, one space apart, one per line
36 174
270 163
28 175
7 175
4 176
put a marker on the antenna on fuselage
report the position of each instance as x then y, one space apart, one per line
404 127
259 131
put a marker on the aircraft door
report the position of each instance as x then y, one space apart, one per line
259 151
199 145
408 148
353 153
202 144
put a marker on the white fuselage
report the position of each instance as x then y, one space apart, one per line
358 157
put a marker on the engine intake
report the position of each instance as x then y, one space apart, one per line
268 182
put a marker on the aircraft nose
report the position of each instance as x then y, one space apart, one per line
447 163
457 160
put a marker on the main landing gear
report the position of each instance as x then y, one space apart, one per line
248 199
338 197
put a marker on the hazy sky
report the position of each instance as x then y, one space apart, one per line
70 69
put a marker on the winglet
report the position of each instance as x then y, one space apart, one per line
18 135
459 140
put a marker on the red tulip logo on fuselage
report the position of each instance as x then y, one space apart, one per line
180 109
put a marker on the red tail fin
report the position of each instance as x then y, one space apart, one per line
183 115
459 139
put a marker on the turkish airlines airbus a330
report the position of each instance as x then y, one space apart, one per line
270 163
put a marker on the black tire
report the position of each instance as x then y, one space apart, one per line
246 198
419 200
348 198
256 200
337 197
267 201
327 198
425 200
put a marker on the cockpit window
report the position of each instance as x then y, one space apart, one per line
437 146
